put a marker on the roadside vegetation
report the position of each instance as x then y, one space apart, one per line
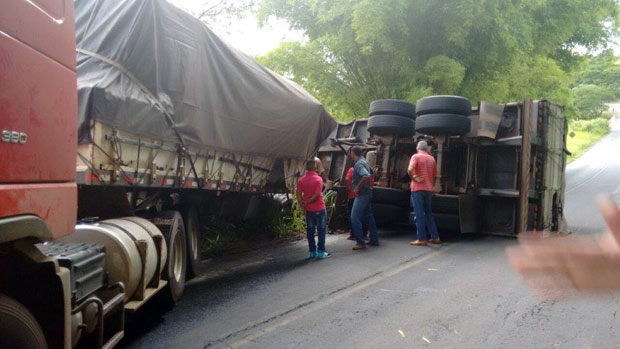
499 51
277 222
582 134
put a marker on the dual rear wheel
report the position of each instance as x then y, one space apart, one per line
182 235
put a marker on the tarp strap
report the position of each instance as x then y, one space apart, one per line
148 93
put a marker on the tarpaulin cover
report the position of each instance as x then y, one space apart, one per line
137 58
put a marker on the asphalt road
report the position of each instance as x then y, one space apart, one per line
460 294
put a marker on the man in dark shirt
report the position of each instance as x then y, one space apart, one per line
362 206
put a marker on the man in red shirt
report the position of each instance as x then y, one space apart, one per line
423 170
310 198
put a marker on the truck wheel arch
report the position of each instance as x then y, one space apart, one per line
22 227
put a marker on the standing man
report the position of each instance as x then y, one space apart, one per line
422 170
351 199
320 169
362 206
310 198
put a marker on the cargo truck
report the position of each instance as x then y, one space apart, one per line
101 195
501 167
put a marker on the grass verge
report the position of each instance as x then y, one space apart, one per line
227 236
275 223
582 134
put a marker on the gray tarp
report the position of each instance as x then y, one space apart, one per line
137 57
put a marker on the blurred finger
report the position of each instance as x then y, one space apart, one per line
528 265
611 214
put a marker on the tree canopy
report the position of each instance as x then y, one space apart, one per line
497 50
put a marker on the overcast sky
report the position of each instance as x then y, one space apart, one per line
245 34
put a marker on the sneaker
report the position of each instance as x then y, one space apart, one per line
436 241
350 237
312 255
358 247
375 244
418 243
324 255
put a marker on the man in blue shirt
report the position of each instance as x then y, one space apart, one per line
362 206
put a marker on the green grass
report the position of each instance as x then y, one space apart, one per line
222 236
275 223
584 134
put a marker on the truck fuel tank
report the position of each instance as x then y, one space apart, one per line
131 254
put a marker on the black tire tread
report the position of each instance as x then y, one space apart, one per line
444 105
388 124
392 107
435 124
191 212
169 296
390 196
389 214
32 334
445 204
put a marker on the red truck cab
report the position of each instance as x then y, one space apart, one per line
38 193
38 118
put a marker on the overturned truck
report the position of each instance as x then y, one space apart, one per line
500 167
170 125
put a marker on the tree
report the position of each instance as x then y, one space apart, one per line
590 100
444 74
602 70
496 50
224 12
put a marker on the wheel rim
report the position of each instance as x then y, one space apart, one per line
193 239
178 257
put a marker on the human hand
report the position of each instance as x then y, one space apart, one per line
557 267
418 179
356 191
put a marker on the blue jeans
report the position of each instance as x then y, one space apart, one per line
421 201
362 210
364 220
316 220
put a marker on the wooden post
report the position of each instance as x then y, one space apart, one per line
524 173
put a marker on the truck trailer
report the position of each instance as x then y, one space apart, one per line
123 124
501 167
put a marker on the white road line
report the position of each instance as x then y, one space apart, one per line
338 296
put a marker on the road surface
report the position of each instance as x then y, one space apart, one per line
461 294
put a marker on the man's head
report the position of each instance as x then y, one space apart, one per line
422 145
356 153
311 165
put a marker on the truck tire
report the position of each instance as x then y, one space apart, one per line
392 107
445 204
176 263
388 124
390 196
444 105
389 214
18 328
438 124
447 224
194 238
